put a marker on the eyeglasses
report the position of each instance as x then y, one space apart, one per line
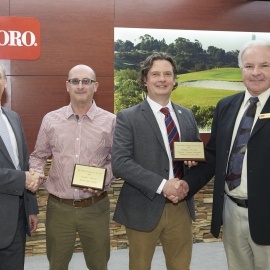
84 81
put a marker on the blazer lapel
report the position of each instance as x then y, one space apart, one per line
151 119
182 124
261 122
4 150
16 130
231 114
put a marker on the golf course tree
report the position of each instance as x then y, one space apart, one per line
127 90
203 116
190 56
149 44
121 46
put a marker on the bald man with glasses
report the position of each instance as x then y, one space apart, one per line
77 134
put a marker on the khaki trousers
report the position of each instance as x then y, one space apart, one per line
92 225
241 251
175 233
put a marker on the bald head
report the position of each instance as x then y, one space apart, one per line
84 69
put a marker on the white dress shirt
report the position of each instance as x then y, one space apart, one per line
161 122
241 191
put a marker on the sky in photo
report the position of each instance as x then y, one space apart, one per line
227 40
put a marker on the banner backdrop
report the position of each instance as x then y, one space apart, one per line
19 38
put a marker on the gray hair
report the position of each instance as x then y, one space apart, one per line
252 44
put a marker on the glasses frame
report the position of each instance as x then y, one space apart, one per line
71 81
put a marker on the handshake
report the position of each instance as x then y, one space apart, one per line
175 190
33 180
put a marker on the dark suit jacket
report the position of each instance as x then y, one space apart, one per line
140 158
12 184
258 175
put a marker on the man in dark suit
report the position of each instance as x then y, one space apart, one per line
243 209
148 202
18 205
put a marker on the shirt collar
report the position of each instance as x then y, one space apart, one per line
90 113
262 97
156 106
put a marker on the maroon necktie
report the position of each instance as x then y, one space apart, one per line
173 136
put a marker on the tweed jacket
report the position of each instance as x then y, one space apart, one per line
139 157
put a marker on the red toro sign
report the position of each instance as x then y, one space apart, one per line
19 38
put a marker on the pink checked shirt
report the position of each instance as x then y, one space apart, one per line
70 141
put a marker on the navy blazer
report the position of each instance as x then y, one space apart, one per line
139 157
258 169
12 184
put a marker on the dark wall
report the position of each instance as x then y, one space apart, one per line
81 31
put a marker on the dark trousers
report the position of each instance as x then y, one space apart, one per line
12 257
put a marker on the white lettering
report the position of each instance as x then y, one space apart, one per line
16 38
5 39
28 36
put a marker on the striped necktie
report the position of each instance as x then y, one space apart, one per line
240 144
173 136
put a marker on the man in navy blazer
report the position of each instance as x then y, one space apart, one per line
148 203
18 205
243 211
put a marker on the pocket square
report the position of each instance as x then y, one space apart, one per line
264 115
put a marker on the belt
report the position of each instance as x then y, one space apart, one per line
239 202
81 203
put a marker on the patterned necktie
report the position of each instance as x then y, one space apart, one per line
6 138
240 144
173 136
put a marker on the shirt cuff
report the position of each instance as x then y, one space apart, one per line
161 186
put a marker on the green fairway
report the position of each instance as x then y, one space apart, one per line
218 74
188 96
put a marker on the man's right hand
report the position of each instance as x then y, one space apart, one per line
175 190
33 180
